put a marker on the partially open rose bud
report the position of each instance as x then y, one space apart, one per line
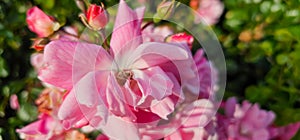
181 38
164 10
96 16
40 23
40 43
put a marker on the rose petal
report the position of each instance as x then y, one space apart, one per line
129 130
127 28
163 108
154 53
64 58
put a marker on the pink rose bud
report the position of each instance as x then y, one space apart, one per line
14 103
40 23
96 16
181 38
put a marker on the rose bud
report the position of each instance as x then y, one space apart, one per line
96 16
164 10
194 4
14 102
40 23
181 38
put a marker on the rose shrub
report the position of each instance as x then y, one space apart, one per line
61 78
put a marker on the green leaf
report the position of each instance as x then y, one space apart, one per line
258 94
283 35
267 47
282 59
27 112
3 68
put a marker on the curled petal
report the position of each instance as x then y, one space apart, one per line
153 82
153 53
163 108
209 11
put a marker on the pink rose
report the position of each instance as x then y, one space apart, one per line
133 82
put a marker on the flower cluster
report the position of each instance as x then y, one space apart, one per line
145 82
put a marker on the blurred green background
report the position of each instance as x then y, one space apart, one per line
260 39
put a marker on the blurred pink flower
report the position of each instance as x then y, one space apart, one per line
40 23
116 89
14 103
44 128
49 100
246 121
97 17
208 10
156 34
102 137
284 132
36 60
48 128
249 122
